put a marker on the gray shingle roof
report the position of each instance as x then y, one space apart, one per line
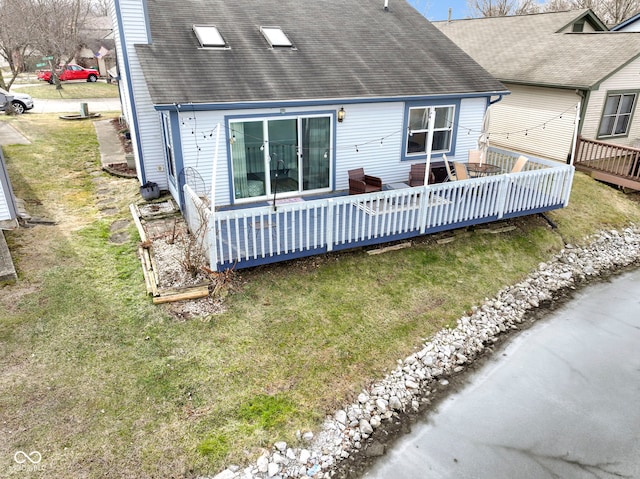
343 49
527 49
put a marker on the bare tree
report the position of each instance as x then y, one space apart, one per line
14 37
100 8
491 8
609 11
56 26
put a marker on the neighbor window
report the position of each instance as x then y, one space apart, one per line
616 117
419 128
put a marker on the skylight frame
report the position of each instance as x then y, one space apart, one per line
276 37
209 36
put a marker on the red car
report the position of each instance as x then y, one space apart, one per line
70 72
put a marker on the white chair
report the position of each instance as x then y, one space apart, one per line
450 174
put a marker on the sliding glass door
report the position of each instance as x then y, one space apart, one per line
280 156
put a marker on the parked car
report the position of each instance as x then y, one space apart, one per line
70 72
21 102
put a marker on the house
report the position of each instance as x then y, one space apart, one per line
631 24
232 104
8 220
8 210
554 63
274 76
96 49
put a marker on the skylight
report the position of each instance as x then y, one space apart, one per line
276 37
209 36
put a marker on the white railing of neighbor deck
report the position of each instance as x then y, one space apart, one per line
251 236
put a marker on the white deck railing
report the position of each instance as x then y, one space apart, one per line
255 235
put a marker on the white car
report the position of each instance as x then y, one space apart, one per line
21 101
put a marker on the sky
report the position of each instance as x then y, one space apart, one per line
439 9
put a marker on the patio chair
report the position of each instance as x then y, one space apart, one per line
520 162
474 156
360 183
461 170
416 175
451 176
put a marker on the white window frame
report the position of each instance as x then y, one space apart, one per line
425 129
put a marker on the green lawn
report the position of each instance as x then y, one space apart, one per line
105 384
70 90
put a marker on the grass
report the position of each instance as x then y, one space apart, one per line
70 90
105 384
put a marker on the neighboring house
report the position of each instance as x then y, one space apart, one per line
232 104
551 62
631 24
96 51
8 210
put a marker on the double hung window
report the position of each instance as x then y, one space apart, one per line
616 117
419 129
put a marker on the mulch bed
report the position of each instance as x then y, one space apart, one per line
120 169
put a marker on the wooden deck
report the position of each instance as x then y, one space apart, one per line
253 236
613 164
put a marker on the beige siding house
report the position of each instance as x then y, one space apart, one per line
555 63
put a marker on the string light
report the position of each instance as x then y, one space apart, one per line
410 132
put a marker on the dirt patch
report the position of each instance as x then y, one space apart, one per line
123 135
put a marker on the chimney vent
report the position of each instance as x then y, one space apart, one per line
386 5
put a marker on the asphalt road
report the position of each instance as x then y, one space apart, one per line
560 401
73 106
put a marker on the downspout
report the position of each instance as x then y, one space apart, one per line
574 141
491 102
582 111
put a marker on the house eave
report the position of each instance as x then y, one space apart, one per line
567 86
241 105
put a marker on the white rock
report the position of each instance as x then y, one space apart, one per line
273 469
375 422
263 464
341 416
395 403
226 474
305 455
281 446
411 384
365 427
363 398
